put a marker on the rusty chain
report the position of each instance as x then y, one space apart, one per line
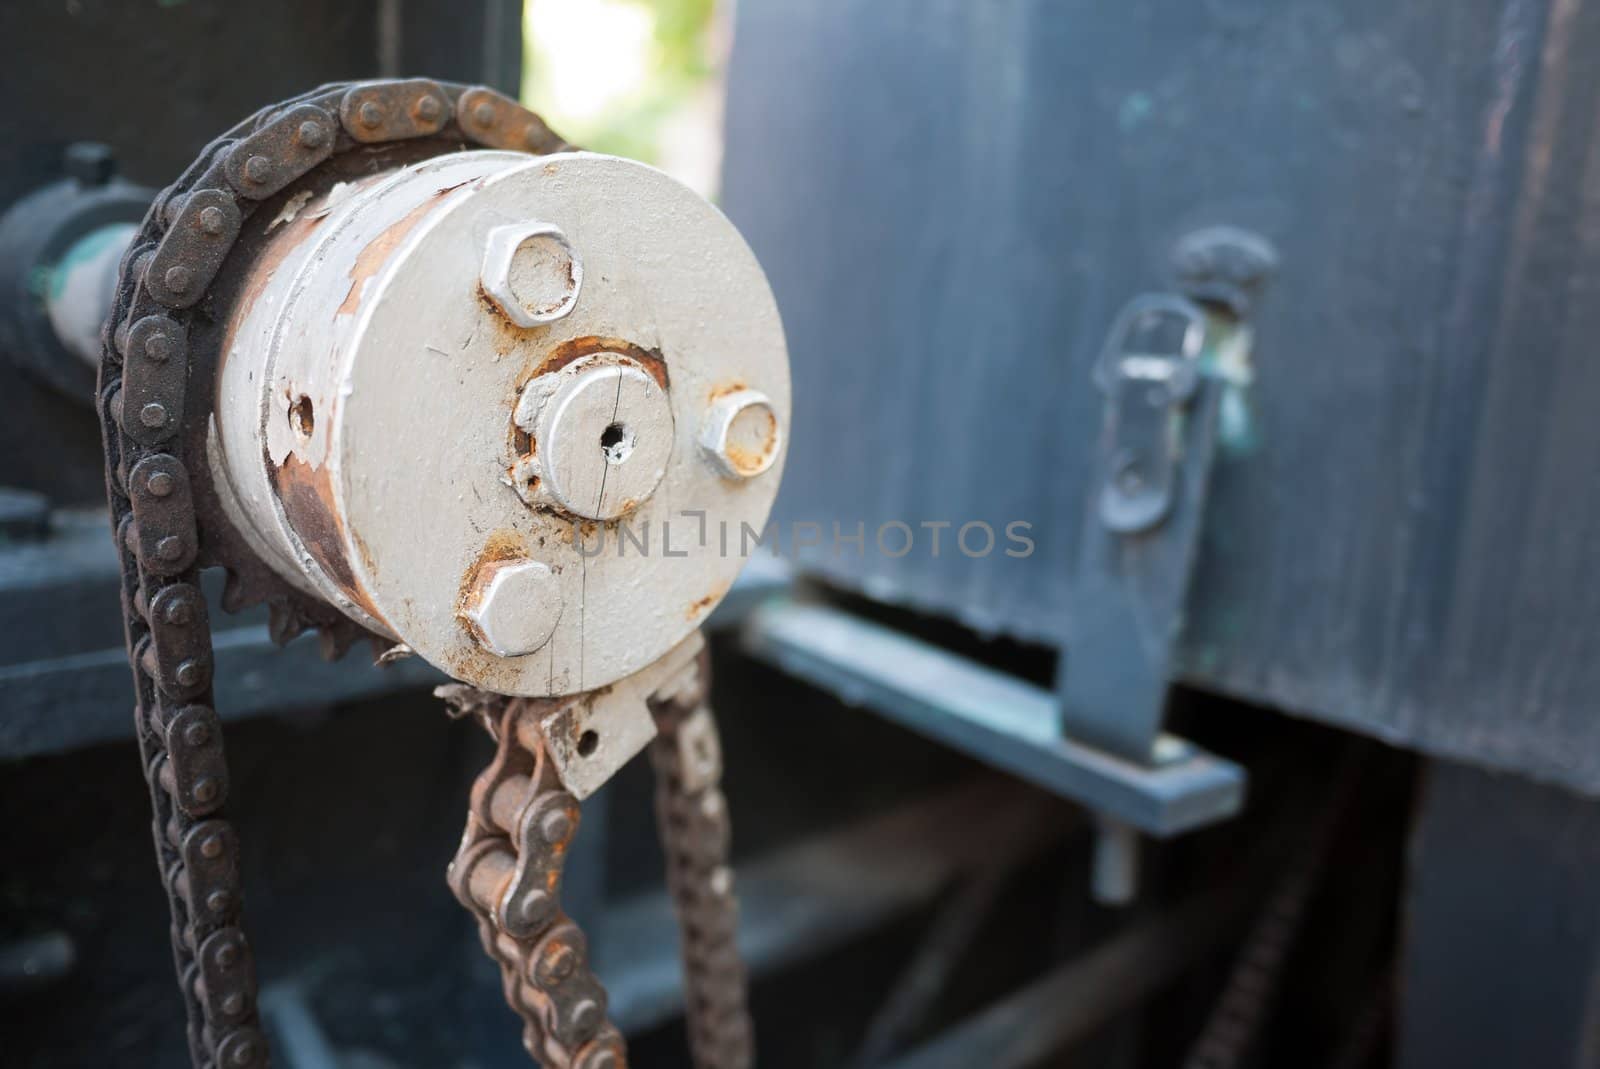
153 424
693 818
507 873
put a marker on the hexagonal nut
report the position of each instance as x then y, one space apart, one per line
531 272
512 606
740 435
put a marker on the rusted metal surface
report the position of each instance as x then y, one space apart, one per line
492 119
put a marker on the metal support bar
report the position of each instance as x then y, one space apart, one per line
997 718
1069 1004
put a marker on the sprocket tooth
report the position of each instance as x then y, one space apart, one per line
235 594
335 638
284 624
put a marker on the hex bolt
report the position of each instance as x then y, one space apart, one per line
739 434
531 272
513 606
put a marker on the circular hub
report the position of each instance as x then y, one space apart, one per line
601 436
513 412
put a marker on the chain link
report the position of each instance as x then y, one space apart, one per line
148 420
692 815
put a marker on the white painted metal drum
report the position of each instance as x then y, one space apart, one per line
482 403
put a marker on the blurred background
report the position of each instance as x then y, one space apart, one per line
1276 749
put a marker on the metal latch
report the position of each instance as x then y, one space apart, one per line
1148 371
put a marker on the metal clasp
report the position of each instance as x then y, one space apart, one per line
1148 371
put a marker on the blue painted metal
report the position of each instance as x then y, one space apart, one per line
953 199
995 717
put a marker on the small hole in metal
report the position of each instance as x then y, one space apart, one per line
588 742
302 417
616 442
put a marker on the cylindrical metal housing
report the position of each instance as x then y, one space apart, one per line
464 402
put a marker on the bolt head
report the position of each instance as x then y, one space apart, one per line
257 169
555 825
585 1015
513 606
170 548
531 272
153 414
158 347
161 484
739 434
311 134
558 963
197 735
188 673
212 221
483 114
178 278
211 847
370 114
428 108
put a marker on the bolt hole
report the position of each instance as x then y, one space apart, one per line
616 442
302 417
588 742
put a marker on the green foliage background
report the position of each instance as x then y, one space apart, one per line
681 60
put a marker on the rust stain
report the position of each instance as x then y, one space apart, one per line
726 388
371 258
306 494
469 661
577 348
750 460
701 606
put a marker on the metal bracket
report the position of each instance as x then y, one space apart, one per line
591 738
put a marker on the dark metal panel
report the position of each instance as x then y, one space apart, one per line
952 201
156 81
1502 945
